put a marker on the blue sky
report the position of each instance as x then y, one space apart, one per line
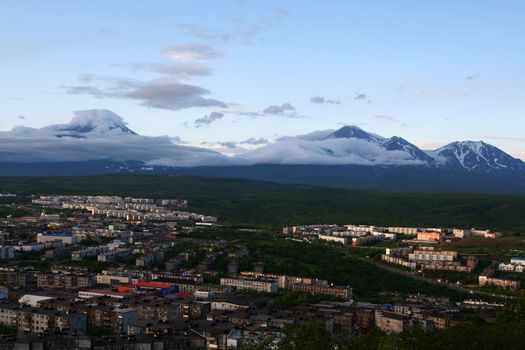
430 71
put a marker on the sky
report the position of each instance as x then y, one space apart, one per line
208 71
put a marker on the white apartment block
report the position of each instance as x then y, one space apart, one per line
251 284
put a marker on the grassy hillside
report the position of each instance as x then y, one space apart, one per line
254 202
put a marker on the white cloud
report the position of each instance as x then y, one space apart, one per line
78 141
276 109
326 152
164 93
208 119
321 100
192 52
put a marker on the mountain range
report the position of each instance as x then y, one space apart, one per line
100 142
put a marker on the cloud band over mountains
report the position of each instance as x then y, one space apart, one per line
101 134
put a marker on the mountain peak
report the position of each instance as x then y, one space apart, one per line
396 143
96 122
477 155
352 131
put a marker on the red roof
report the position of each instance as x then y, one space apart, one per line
184 294
156 285
124 289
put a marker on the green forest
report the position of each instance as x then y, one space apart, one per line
256 202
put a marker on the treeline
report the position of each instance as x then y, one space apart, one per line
255 202
505 333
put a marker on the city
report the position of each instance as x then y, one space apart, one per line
79 271
262 175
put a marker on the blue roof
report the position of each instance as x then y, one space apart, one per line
518 258
57 234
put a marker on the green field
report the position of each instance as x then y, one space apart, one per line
254 202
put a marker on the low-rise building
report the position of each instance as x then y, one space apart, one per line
390 322
257 285
343 292
434 236
65 238
341 240
7 252
63 281
499 283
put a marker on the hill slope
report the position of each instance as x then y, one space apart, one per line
254 202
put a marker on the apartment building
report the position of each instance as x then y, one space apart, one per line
430 255
257 285
114 255
17 279
39 320
343 292
518 261
390 322
90 252
335 239
392 259
59 280
404 230
156 309
434 236
499 282
7 252
65 238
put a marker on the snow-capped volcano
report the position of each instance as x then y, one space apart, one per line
99 135
353 146
477 155
93 123
396 143
354 132
102 135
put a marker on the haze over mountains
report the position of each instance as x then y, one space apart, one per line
99 141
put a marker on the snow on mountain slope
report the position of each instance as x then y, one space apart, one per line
354 132
396 143
477 155
103 135
348 145
99 135
97 122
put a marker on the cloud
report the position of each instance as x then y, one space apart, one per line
172 96
298 150
317 100
161 93
164 92
21 117
192 52
472 77
208 119
276 109
360 96
240 30
182 70
228 144
255 141
229 148
86 90
320 100
205 33
387 118
75 141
